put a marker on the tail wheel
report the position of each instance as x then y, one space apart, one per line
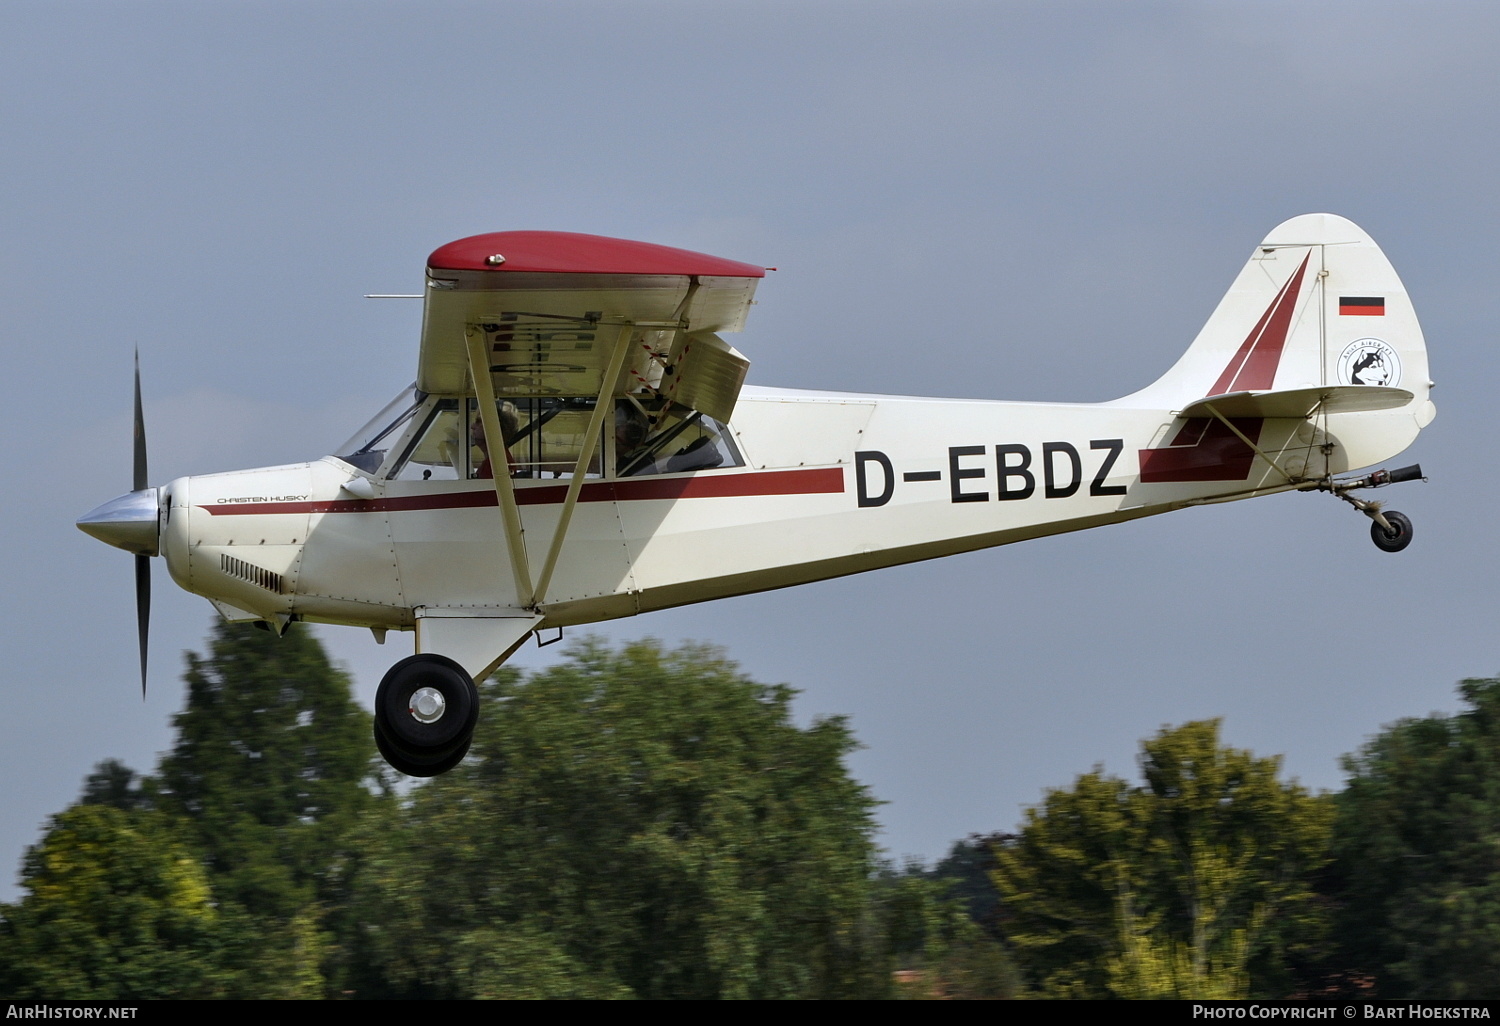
1396 539
426 707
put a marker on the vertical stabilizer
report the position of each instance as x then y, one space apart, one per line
1317 304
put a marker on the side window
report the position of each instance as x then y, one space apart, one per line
438 450
662 438
543 438
444 440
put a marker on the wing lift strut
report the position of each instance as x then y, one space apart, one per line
479 639
532 591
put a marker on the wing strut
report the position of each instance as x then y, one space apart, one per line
528 595
602 408
505 490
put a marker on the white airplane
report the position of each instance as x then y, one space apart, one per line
579 446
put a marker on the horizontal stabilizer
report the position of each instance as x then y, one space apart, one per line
1300 402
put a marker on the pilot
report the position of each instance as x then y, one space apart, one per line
510 424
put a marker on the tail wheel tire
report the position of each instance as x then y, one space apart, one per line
417 767
1396 539
427 706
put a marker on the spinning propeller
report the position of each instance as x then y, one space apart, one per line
142 562
132 522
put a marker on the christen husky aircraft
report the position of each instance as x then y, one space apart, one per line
579 446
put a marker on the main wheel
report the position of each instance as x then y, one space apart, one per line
427 707
415 767
1393 540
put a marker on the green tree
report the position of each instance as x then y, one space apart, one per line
114 784
1417 839
969 868
227 874
939 951
642 822
117 906
1197 884
270 765
271 770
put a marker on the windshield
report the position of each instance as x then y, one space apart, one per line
366 450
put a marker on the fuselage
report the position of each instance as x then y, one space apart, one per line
830 484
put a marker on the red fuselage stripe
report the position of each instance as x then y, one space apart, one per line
821 480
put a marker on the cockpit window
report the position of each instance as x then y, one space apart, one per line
544 436
418 437
367 449
657 437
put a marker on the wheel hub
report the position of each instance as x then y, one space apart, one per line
427 705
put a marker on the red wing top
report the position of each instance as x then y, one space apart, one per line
550 306
572 253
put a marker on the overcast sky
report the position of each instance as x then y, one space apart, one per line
996 200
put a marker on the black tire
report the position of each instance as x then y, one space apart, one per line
417 767
409 735
1394 540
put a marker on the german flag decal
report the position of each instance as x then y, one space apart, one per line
1362 306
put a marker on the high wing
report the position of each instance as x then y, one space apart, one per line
549 309
538 317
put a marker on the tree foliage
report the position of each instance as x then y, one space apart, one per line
226 874
115 784
1197 884
969 870
635 823
270 771
1417 842
270 766
117 906
651 823
655 816
940 950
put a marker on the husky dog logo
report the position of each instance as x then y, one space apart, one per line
1369 361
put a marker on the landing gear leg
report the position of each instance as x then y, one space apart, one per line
426 709
1391 531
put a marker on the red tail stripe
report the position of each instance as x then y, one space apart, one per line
1254 364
